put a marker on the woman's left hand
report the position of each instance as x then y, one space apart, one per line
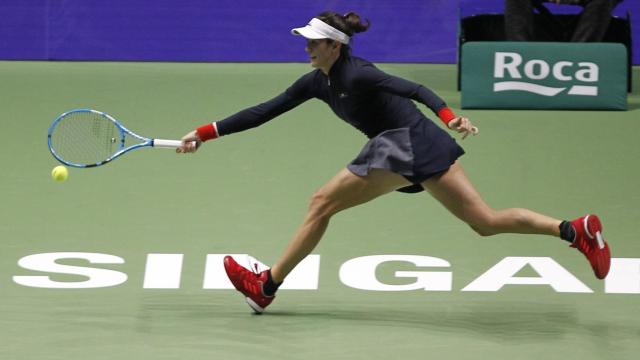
463 125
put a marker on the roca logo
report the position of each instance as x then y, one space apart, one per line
513 65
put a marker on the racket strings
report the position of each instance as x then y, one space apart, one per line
86 138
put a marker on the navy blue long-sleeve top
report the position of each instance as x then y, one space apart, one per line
358 92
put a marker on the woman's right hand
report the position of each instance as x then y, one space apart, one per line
190 143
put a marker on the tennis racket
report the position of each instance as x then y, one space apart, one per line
87 138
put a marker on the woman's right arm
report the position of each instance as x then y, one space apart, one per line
251 117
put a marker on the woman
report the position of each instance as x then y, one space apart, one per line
406 152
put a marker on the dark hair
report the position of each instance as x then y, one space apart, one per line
348 23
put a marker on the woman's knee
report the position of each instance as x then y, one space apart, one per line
322 205
483 230
492 222
483 224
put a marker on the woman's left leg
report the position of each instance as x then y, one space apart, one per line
454 190
457 194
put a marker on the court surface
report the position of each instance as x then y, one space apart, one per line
247 193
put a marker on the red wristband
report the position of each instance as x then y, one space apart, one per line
207 132
446 115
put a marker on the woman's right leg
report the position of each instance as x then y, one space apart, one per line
343 191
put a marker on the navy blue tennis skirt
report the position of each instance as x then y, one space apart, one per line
417 153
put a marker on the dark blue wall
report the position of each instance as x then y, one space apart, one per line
230 30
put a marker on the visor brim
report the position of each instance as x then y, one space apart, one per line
308 32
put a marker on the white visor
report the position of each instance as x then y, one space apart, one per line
318 29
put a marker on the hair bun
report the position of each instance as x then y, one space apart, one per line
353 22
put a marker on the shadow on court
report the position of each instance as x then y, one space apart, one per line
502 322
519 323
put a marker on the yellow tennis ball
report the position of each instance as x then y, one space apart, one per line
59 173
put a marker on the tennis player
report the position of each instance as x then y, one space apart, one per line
406 152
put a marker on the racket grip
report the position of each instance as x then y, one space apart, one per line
161 143
172 144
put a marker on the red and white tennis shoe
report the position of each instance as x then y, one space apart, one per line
249 283
590 242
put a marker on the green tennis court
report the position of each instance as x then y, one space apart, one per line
247 193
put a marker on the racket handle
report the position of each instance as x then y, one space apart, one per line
172 144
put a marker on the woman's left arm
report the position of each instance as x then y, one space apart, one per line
371 76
